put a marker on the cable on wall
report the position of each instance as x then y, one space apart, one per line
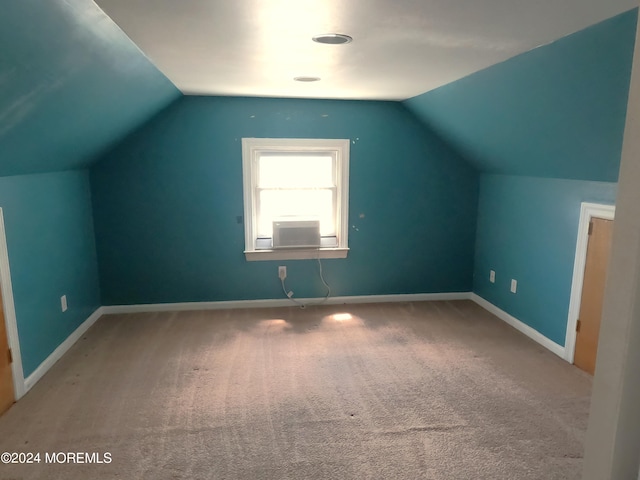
289 294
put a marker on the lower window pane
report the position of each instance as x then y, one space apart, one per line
300 203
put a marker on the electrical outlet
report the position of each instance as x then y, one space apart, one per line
63 303
492 276
514 285
282 272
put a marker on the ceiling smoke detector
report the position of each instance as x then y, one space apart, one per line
307 79
332 38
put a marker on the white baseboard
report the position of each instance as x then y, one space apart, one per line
44 367
519 325
283 302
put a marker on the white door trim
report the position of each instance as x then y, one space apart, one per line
10 313
587 212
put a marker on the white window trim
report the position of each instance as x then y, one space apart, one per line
251 147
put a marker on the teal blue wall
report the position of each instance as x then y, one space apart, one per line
557 111
166 199
71 84
546 130
50 240
166 203
527 230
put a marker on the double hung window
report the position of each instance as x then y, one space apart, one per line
295 180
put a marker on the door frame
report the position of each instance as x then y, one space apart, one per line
10 313
587 212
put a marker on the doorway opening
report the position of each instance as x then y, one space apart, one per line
587 289
11 374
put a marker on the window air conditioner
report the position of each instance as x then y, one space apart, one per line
296 233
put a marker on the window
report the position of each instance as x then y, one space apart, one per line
295 179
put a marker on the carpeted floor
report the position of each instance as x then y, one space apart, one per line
426 390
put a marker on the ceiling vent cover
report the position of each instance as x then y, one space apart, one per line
333 38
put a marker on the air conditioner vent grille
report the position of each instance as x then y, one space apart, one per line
296 234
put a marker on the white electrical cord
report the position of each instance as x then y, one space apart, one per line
289 295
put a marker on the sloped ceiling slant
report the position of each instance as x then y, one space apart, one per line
71 84
557 111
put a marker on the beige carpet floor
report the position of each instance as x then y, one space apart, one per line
425 390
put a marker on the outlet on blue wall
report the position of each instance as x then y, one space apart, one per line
50 240
527 231
557 111
166 204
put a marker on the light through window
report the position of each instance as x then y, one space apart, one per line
295 179
296 186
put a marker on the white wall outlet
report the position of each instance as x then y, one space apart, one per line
514 285
63 303
282 272
492 276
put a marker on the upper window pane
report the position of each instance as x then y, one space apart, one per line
295 171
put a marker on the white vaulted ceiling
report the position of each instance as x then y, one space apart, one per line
400 48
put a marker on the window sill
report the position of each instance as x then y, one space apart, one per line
295 254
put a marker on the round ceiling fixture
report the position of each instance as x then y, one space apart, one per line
307 79
332 38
